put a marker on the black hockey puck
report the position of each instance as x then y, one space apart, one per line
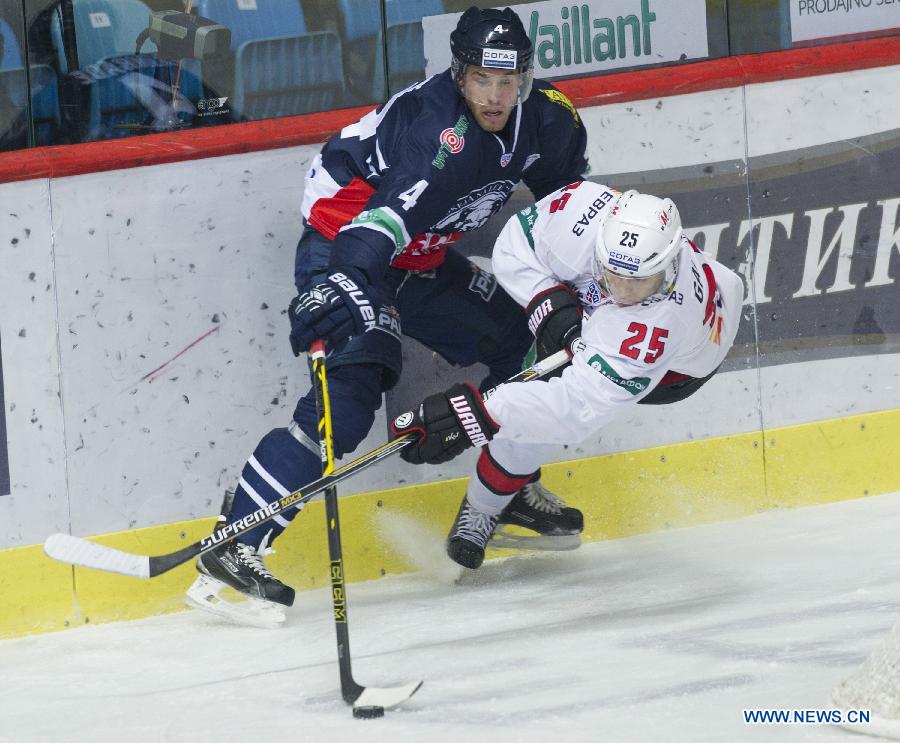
368 713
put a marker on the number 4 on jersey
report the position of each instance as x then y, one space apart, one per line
411 195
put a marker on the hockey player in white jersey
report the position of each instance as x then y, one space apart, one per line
655 317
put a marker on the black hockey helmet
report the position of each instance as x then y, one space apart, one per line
494 39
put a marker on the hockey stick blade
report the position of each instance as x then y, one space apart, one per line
87 554
77 551
388 697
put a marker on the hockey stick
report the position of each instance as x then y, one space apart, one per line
79 551
371 702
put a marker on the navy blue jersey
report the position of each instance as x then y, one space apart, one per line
409 178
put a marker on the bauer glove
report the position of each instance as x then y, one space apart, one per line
334 309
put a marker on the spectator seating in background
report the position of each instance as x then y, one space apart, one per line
405 40
11 54
363 49
121 91
405 48
405 55
14 83
279 68
103 29
404 11
264 19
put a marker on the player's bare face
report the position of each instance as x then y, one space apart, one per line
491 95
627 291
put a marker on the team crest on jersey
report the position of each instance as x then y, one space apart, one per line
452 142
505 159
476 207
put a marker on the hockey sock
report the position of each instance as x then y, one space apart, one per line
279 465
493 487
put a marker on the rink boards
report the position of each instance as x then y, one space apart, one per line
144 345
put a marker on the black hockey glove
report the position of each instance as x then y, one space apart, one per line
334 309
447 424
554 317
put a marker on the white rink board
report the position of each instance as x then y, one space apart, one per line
156 278
34 416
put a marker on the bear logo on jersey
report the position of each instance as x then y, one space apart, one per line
476 207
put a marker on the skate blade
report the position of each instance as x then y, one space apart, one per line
504 539
253 612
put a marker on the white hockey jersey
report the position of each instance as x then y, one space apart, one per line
687 329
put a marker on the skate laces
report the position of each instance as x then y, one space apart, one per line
475 526
254 560
541 499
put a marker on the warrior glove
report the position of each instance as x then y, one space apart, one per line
554 318
446 424
334 309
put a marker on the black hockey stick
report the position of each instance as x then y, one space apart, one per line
366 701
79 551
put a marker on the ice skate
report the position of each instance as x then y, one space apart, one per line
556 526
470 533
241 567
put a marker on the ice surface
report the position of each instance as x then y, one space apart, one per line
663 637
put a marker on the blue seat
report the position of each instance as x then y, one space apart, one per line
405 40
405 55
44 88
267 20
363 36
279 68
103 29
288 75
11 56
404 11
363 49
123 92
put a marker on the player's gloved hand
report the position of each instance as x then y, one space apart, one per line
554 317
446 424
333 309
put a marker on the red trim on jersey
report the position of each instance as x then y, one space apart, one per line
712 297
495 478
672 377
425 252
330 213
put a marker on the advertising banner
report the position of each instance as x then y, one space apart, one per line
823 19
580 38
4 453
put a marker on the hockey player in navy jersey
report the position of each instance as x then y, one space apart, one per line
651 318
383 204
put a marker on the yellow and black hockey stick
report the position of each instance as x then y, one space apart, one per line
367 701
79 551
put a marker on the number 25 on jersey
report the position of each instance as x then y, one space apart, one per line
633 345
